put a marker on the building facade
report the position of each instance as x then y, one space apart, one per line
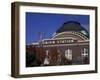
69 45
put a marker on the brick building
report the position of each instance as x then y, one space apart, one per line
69 45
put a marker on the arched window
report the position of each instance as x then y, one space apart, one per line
84 52
46 60
68 54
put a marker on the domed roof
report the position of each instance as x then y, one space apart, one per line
72 26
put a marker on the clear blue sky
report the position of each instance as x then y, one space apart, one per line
49 23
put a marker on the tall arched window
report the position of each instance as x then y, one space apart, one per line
46 60
84 52
68 54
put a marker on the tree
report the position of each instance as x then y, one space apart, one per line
32 60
